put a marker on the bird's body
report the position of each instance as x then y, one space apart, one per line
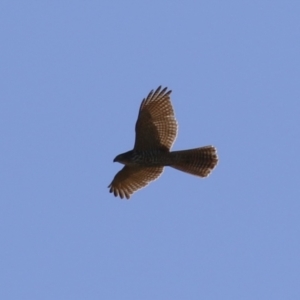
146 158
156 130
165 158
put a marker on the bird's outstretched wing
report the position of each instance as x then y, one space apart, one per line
132 178
156 126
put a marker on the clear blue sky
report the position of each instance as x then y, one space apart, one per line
72 76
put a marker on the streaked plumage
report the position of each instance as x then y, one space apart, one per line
156 131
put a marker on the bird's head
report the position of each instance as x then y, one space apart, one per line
124 158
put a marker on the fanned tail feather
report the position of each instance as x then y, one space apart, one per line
198 161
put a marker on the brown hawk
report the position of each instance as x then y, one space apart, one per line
156 130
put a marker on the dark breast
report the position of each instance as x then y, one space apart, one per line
151 158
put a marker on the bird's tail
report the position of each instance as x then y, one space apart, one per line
198 161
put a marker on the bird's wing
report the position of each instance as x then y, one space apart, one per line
131 179
156 126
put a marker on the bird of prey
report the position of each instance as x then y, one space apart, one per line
156 131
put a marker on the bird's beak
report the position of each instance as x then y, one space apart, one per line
115 159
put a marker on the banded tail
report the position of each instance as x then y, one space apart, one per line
198 161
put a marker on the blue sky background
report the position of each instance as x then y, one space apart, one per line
72 76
